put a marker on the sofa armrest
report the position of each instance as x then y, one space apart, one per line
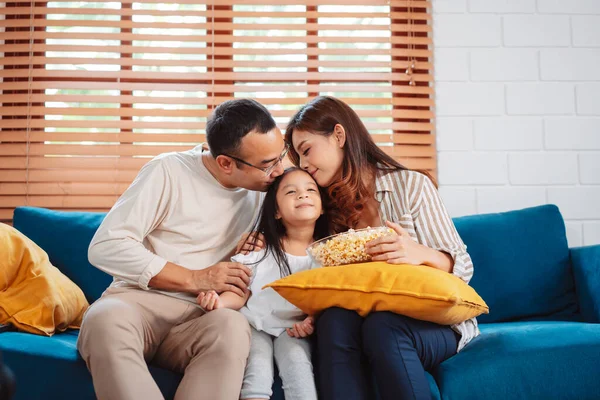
586 270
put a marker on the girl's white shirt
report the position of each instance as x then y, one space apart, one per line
266 310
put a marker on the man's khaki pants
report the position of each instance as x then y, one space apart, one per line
128 328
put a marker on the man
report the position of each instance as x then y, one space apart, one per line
168 238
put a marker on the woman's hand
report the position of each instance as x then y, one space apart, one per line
397 249
209 301
302 329
247 243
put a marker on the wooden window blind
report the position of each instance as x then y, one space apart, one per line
90 91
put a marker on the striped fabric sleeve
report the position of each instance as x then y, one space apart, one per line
436 229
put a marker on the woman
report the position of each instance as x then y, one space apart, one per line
369 188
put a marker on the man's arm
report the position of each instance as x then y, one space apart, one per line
117 247
222 277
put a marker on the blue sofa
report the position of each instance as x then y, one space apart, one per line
541 339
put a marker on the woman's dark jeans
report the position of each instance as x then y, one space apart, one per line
395 349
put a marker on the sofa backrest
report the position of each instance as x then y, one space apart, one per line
521 258
521 261
65 236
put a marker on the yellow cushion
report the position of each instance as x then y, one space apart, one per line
34 295
415 291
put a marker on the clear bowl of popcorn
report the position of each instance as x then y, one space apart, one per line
346 247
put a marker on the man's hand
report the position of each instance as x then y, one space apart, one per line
303 329
222 277
250 242
209 300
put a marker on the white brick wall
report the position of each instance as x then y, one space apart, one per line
502 6
502 65
586 30
540 99
588 99
502 198
518 108
570 64
542 168
469 99
568 7
508 133
472 168
530 30
454 134
467 30
591 233
589 171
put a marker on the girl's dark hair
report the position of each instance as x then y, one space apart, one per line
273 229
349 195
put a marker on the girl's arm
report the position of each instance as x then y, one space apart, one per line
232 300
211 300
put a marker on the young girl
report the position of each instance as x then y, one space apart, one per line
291 219
369 188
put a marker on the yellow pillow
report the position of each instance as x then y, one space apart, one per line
415 291
34 295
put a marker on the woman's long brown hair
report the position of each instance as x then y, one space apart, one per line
349 195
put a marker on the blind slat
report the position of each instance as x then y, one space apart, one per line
99 137
165 101
220 51
218 88
220 76
217 25
193 113
399 15
79 163
410 138
116 124
63 188
128 99
206 63
217 39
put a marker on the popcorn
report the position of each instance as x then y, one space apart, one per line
347 247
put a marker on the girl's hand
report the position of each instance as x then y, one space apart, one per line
397 249
302 329
246 243
209 301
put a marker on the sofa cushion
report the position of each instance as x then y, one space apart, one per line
416 291
35 297
522 266
66 236
525 360
51 367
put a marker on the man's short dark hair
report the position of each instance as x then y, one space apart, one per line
234 119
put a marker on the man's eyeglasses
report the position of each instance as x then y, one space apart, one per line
267 170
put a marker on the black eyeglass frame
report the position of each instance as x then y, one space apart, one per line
267 170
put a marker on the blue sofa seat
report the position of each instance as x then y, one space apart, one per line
525 360
51 367
541 339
